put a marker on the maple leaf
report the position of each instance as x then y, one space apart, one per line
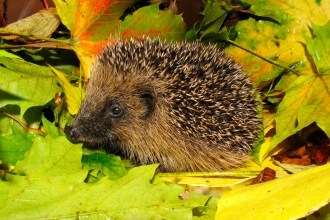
53 187
308 97
91 23
277 40
94 23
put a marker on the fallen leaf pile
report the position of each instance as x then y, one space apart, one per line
315 151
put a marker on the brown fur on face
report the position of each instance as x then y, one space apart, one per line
185 105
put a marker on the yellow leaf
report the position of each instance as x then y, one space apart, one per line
281 43
73 94
290 197
268 121
306 101
86 58
222 181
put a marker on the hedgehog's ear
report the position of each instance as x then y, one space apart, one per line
149 100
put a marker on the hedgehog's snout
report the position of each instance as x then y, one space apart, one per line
74 134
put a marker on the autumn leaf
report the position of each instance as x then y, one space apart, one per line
290 197
94 23
43 23
280 40
88 22
308 97
141 24
91 23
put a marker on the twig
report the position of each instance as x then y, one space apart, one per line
38 45
46 4
7 31
25 127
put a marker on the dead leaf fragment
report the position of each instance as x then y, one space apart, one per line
319 144
43 24
315 150
266 175
58 99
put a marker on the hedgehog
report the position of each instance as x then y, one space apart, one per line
184 105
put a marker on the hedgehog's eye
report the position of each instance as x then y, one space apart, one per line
116 110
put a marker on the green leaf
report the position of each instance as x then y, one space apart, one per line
31 118
191 35
168 26
207 212
305 102
7 123
14 146
25 84
63 117
51 129
318 47
50 158
54 187
214 13
109 164
223 35
4 53
63 60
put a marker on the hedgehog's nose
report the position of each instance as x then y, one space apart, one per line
73 134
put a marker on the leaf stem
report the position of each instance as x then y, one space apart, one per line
25 127
38 45
7 31
46 4
266 59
